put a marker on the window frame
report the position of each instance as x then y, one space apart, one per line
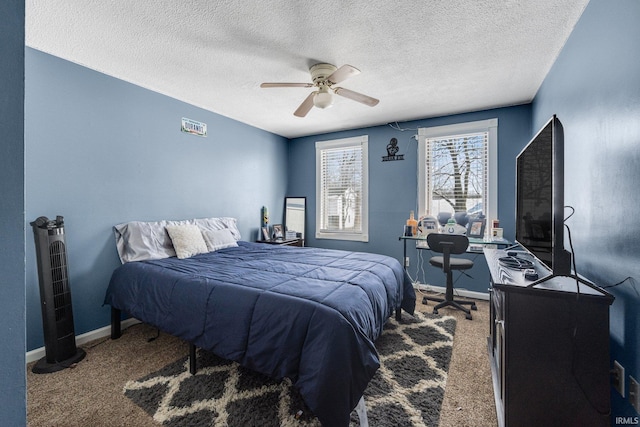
357 141
491 127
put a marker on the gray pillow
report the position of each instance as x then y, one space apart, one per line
219 239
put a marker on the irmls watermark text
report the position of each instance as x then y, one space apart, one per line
627 421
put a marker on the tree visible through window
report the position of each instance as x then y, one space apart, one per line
457 173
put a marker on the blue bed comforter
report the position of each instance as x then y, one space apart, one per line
308 314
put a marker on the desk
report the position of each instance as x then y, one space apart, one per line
476 245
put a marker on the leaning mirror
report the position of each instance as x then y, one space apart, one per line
294 215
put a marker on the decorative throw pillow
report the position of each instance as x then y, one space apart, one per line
187 240
219 239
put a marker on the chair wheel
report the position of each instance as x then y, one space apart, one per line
468 316
435 311
474 307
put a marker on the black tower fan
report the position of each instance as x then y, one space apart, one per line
55 297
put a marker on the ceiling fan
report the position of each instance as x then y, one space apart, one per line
324 76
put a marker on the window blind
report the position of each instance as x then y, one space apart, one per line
341 176
342 189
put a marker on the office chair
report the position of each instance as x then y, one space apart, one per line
448 244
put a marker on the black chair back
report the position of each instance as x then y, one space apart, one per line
448 244
457 243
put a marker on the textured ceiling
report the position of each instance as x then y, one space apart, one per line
421 58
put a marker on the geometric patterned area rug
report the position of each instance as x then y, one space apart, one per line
407 389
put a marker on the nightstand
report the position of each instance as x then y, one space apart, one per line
283 242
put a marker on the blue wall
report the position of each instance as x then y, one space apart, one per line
393 186
100 151
12 270
594 88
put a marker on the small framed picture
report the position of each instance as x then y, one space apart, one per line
278 231
265 234
476 228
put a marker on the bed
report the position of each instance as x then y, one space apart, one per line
308 314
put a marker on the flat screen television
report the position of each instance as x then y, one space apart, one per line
540 198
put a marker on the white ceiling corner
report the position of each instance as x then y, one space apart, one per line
421 58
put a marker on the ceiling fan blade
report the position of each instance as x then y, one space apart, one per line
366 100
286 85
342 74
306 106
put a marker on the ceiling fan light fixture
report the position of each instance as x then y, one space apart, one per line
323 98
324 77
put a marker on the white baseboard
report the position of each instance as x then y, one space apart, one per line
39 353
457 291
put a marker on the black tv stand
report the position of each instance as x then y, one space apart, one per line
548 348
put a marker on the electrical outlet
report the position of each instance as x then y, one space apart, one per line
617 377
634 393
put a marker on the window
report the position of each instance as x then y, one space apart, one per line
457 169
342 189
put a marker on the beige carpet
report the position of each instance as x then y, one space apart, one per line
91 393
468 397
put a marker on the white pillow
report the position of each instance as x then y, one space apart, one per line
219 239
187 240
139 241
